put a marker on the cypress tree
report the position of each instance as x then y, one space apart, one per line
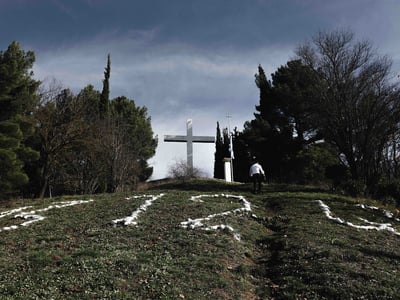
221 151
219 155
104 105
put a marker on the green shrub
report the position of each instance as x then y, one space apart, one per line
354 188
388 191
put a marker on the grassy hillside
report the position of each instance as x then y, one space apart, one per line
199 240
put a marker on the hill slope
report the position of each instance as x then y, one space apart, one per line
198 240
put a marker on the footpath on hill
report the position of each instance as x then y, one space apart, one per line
201 239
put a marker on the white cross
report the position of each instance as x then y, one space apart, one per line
189 139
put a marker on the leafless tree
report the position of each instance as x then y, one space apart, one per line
358 108
180 170
59 125
119 157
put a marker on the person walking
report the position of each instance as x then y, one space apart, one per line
257 175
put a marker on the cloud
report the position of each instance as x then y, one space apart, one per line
62 7
11 3
185 59
174 82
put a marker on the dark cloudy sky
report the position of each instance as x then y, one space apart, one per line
185 58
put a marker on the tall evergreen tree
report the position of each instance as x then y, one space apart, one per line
268 134
282 129
221 152
104 105
294 87
17 102
241 163
90 102
219 155
132 143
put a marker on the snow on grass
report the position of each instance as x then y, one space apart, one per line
33 216
13 211
131 220
386 213
198 223
370 226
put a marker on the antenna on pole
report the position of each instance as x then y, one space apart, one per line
229 123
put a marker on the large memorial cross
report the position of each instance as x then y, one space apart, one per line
189 139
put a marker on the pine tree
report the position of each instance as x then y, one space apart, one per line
90 101
242 160
131 144
17 102
104 105
270 134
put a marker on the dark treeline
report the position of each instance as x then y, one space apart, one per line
53 142
329 116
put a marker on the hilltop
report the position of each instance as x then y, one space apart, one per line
200 239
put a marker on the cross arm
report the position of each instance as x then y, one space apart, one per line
184 139
175 138
204 139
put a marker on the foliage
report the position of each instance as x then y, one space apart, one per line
17 101
85 145
314 162
388 191
83 153
337 91
294 85
180 170
60 127
357 107
134 126
221 152
104 103
219 155
89 98
242 161
282 125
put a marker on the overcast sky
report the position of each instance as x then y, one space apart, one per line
185 58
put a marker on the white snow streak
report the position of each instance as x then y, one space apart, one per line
13 211
130 220
33 216
198 223
370 226
386 213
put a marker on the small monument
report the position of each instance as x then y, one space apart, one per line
228 169
189 139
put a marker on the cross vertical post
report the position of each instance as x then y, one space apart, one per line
189 139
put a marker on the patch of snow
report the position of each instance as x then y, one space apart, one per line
198 223
33 216
371 225
131 220
13 211
386 213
